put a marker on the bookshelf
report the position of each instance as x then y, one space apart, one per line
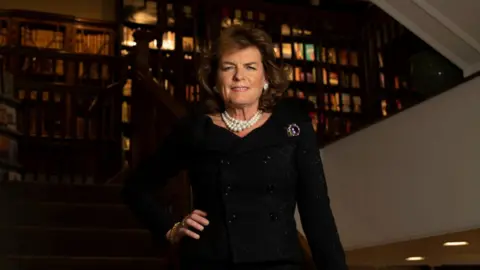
56 32
390 47
63 69
3 31
327 72
390 82
10 170
173 62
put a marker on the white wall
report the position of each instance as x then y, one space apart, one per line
90 9
413 175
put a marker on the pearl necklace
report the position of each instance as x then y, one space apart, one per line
236 125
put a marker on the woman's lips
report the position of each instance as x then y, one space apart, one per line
239 89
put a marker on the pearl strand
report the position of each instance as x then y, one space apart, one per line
236 125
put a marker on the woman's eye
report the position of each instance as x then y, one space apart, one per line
226 68
251 68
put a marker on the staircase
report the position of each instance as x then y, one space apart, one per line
46 226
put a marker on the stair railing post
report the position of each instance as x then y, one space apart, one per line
143 110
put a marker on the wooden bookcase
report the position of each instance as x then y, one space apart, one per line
389 48
64 69
390 82
326 69
56 32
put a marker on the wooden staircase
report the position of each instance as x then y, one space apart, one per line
46 226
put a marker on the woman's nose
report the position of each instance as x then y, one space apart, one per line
239 75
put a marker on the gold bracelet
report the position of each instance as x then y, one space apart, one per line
173 231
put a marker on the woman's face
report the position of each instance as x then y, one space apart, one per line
241 77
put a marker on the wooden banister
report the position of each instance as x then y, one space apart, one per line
145 78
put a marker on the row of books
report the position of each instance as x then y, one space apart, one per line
8 149
9 175
8 113
8 126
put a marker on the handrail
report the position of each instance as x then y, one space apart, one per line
139 57
144 76
45 52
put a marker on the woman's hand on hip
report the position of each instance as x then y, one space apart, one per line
196 220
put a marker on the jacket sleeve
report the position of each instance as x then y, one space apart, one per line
314 204
151 175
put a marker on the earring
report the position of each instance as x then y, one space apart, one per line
265 87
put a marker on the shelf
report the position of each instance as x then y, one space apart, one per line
54 32
5 164
9 132
70 143
59 87
9 100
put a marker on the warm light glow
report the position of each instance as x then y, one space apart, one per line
384 108
153 44
415 258
129 43
143 17
168 43
455 244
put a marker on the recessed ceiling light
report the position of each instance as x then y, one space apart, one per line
455 244
415 258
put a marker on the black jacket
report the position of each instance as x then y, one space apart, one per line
249 188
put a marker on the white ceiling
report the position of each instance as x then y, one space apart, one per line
449 26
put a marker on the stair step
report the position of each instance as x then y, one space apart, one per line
40 192
81 263
46 214
40 241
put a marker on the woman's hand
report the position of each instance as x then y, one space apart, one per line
194 220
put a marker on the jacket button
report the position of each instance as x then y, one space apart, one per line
228 189
266 159
224 161
270 188
233 217
273 217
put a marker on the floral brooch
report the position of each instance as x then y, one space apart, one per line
293 130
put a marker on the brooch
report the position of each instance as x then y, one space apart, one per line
293 130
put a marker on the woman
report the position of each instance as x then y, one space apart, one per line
250 160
